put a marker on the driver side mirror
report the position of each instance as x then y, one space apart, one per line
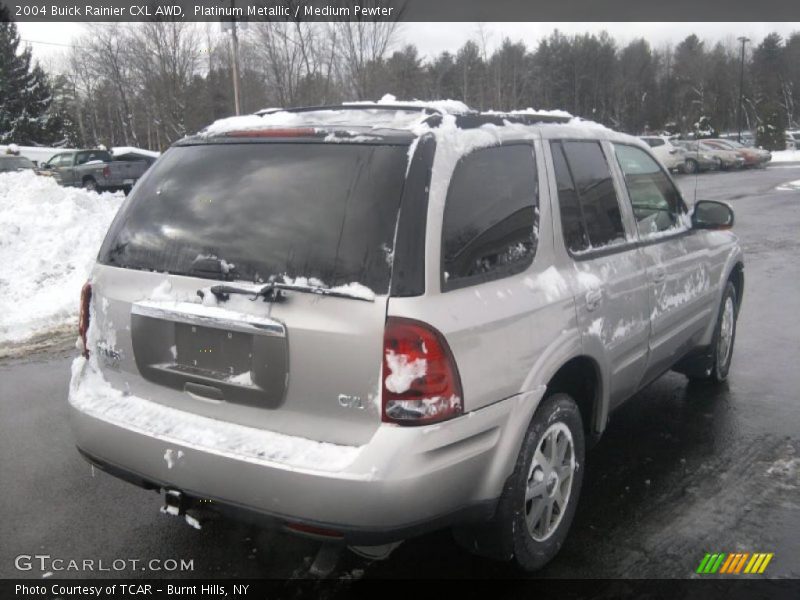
710 214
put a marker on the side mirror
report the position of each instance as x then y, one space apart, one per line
710 214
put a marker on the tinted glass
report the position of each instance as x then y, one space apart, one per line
575 236
490 215
14 163
598 198
302 210
653 142
656 202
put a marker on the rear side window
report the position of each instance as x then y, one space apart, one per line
490 216
326 211
590 212
657 205
654 142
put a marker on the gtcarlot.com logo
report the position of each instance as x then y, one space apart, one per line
739 563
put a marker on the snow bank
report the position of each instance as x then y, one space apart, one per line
49 238
786 156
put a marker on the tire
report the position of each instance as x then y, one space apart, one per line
519 529
90 184
718 363
690 166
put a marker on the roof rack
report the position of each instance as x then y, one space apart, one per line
354 106
475 120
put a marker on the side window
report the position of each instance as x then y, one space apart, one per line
657 205
575 236
81 158
490 216
596 197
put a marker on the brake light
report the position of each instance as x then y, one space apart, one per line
83 319
106 171
285 132
420 378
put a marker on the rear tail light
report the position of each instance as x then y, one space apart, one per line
83 319
420 378
106 171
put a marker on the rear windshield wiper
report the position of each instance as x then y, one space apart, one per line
271 292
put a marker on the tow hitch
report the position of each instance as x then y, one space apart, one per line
177 504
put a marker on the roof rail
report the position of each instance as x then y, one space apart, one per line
354 106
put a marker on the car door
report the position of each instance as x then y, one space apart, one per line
610 279
677 259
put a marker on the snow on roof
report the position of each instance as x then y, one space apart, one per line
386 113
448 107
121 150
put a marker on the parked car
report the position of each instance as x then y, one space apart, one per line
10 163
94 170
792 139
697 157
666 151
753 157
728 157
420 326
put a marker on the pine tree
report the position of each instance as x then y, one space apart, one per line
25 94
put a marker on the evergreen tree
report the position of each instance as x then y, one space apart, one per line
25 94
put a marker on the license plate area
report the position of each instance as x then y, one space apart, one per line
212 357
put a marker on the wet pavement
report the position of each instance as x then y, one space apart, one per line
681 469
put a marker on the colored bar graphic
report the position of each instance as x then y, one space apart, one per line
727 565
766 562
732 564
703 563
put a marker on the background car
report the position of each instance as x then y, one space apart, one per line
665 151
697 157
10 163
753 157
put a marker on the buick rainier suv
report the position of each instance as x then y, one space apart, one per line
363 322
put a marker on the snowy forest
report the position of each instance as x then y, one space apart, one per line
148 84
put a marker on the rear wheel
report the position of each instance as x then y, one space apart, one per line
538 505
90 184
690 166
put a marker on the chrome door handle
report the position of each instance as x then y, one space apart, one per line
593 299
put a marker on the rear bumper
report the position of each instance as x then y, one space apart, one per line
404 481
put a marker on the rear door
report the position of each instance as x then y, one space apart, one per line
677 259
314 215
610 274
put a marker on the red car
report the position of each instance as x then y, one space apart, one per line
753 157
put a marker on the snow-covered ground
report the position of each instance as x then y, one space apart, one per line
49 237
786 156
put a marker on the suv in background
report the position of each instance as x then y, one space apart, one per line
670 155
361 323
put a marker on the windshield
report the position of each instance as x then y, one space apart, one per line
303 210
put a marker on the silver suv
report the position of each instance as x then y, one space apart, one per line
361 323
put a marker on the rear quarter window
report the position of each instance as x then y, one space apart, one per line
490 220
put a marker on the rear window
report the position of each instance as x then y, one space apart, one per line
326 211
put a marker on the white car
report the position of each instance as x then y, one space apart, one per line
670 155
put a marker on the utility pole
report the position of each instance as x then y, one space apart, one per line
744 40
235 53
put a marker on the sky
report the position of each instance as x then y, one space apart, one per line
52 39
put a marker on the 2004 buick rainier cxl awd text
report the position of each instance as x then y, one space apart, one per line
364 322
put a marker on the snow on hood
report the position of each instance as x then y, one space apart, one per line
49 238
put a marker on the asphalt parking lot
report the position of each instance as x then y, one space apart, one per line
681 470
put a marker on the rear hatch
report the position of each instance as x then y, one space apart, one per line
247 281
